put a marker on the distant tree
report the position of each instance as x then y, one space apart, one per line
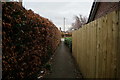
79 21
20 0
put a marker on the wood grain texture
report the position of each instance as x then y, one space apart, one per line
97 45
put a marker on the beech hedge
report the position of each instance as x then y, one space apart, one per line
28 41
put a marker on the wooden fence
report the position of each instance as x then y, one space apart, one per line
96 47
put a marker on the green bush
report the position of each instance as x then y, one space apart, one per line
68 42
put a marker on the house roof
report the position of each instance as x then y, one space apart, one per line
93 11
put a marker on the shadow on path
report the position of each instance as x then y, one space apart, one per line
63 65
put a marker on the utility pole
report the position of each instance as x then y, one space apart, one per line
64 26
64 23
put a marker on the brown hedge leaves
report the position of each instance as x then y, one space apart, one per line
28 41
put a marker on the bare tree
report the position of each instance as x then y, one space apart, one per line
20 0
79 21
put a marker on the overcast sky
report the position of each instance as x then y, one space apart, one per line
56 11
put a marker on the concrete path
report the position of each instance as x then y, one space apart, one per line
63 65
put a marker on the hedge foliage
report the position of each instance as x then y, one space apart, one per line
68 42
28 41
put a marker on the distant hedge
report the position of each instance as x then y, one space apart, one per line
28 41
68 42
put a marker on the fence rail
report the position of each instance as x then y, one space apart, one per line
96 47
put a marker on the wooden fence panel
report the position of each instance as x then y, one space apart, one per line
95 47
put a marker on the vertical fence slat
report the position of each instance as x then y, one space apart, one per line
97 48
115 41
87 51
118 49
104 45
93 45
109 45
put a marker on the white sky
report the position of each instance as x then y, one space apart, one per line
56 11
